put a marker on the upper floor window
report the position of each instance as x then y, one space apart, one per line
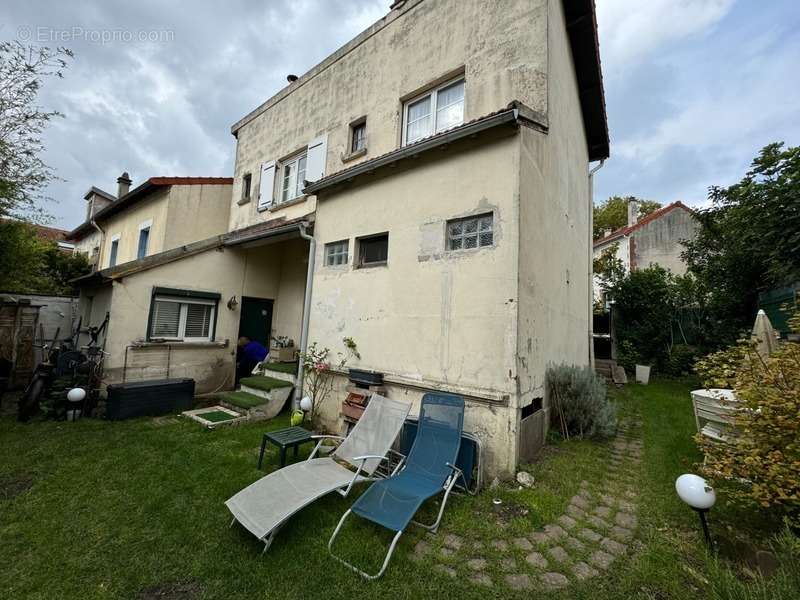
112 255
293 173
144 238
434 111
247 182
471 232
336 253
358 137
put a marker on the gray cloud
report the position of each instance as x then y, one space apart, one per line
694 88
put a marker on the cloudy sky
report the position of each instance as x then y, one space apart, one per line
693 87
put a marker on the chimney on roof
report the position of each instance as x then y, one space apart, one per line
123 184
633 211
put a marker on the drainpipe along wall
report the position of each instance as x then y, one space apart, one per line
312 253
591 260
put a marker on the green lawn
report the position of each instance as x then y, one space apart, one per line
128 509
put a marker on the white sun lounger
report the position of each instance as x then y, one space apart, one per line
264 506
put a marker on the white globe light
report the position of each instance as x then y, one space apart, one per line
695 491
76 395
306 404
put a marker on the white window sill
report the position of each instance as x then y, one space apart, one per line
292 202
180 344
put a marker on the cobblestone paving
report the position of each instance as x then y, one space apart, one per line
595 531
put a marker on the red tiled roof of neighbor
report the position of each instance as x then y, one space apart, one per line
50 233
191 180
623 231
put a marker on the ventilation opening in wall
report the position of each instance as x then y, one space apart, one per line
531 408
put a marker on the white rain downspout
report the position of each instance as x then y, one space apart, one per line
591 259
312 253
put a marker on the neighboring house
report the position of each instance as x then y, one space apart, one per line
440 162
160 214
655 239
52 234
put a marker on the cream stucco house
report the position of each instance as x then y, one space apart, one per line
424 190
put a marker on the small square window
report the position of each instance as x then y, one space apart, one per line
336 253
358 137
373 250
247 182
472 232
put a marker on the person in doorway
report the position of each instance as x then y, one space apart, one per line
249 353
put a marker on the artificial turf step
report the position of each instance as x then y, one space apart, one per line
290 368
264 383
242 399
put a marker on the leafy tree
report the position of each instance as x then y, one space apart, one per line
749 239
608 267
613 213
29 264
23 174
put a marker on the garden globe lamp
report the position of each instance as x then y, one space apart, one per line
306 404
75 396
695 491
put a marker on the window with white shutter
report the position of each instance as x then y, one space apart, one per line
182 319
266 186
317 155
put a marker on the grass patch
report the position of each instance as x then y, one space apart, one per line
282 367
264 383
132 509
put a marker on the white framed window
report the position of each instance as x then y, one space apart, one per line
336 253
293 173
144 238
182 319
113 250
434 111
470 232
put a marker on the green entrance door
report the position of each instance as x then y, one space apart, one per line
255 320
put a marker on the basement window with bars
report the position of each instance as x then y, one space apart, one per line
182 319
470 232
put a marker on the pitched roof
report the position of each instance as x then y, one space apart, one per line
628 229
140 192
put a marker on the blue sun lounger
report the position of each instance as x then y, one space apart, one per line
429 470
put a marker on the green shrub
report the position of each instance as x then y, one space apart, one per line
579 406
680 360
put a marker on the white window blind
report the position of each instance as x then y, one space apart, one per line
187 319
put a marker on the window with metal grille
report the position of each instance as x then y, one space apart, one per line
358 137
336 253
182 319
471 232
374 250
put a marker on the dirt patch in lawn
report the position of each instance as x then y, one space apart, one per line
12 486
507 511
187 590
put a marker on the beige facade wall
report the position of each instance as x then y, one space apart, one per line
659 241
257 272
178 215
431 318
196 212
126 224
554 234
499 47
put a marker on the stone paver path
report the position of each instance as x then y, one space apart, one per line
595 531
